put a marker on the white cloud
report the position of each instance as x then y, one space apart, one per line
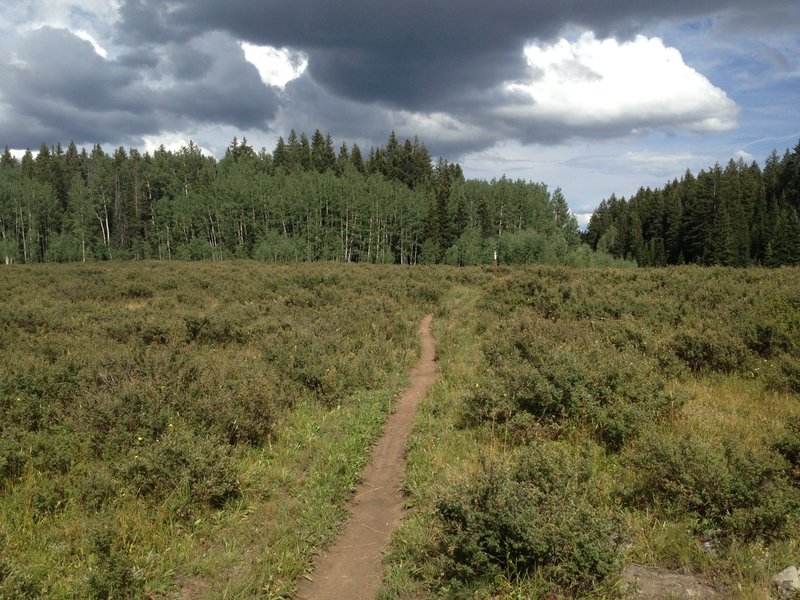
587 172
442 127
662 165
90 20
276 66
638 85
172 141
18 153
583 219
88 37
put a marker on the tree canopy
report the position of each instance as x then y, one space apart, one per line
301 202
737 215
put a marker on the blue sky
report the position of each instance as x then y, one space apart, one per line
596 97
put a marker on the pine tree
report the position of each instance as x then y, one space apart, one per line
323 157
305 153
294 153
356 159
566 222
343 160
7 161
279 155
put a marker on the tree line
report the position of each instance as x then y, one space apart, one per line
304 201
739 215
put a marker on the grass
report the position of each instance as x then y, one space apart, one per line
190 428
195 430
723 393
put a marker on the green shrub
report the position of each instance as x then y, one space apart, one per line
92 486
49 496
154 334
12 459
745 492
542 518
710 351
204 330
115 423
237 411
17 582
37 392
783 374
55 451
769 339
788 445
113 575
156 469
137 291
611 392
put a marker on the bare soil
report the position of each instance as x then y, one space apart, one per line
351 567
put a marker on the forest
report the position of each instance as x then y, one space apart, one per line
739 215
304 201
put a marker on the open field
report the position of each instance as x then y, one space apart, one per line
588 420
193 430
171 427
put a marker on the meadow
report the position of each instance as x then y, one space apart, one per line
194 429
586 420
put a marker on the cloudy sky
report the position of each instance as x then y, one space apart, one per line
595 96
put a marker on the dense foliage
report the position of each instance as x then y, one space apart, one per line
738 215
593 418
301 202
134 395
166 425
542 516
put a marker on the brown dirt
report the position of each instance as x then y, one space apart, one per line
351 568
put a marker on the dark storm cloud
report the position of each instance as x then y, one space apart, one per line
227 89
307 106
417 54
431 67
55 87
52 64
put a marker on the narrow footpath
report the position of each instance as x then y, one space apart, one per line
351 568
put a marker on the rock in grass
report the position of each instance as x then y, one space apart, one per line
787 583
653 583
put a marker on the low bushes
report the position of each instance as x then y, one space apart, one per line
112 573
203 467
138 394
540 517
745 493
535 369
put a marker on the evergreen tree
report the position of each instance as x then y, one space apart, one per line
565 221
279 155
7 161
485 217
323 157
343 159
305 153
294 153
356 159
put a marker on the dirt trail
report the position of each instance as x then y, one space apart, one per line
351 568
